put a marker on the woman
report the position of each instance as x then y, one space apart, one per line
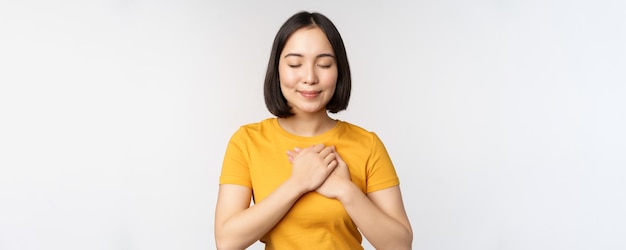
316 182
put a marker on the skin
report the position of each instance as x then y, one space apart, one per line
308 76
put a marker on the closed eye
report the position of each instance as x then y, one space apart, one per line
294 65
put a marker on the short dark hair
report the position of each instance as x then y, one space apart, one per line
274 99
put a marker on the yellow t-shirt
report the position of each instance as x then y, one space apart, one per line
256 158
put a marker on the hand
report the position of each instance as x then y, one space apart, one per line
312 165
336 182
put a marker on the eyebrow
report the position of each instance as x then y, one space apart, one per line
318 56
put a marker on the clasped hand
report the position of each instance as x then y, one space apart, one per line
319 168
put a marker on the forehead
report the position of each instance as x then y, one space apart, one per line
308 40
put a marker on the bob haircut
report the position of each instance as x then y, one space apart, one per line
274 99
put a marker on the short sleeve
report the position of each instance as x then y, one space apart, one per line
381 173
235 168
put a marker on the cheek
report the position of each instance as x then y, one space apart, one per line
287 78
330 79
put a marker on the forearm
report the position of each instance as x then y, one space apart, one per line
244 228
381 230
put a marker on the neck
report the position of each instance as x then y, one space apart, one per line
307 125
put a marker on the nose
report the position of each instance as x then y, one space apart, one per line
310 76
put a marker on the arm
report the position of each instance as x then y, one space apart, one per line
380 215
237 225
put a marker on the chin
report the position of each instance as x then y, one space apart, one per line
313 111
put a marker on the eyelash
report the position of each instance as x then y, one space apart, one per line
321 66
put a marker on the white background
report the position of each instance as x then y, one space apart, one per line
505 119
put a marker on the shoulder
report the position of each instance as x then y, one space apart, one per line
363 134
355 128
258 126
251 129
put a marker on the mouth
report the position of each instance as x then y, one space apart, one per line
309 94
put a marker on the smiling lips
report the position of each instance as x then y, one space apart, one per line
310 94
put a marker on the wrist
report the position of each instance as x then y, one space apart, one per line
348 190
296 186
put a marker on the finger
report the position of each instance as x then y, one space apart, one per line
329 158
295 152
332 165
342 165
339 159
291 154
326 151
307 149
318 147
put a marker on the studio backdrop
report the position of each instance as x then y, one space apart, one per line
504 119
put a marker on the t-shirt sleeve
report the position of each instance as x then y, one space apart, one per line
235 168
381 173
